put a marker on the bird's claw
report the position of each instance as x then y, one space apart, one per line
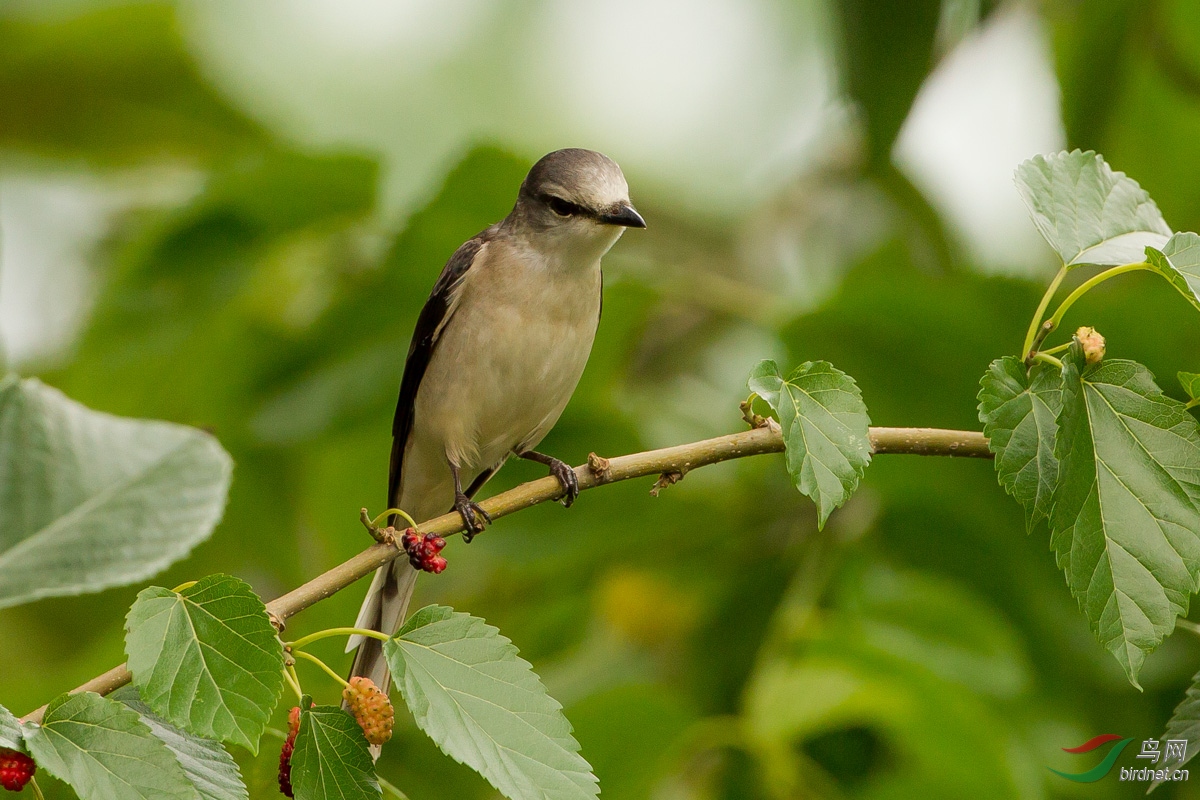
567 479
474 518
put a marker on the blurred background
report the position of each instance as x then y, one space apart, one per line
228 214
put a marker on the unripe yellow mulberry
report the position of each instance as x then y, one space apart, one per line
1092 343
371 707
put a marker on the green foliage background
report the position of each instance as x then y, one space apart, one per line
709 643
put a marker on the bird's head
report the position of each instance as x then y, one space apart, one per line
578 197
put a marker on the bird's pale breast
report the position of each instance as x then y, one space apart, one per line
506 371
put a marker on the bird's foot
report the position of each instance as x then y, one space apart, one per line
567 479
474 518
561 470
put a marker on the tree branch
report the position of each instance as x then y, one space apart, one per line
677 461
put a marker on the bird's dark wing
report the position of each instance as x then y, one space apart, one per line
430 324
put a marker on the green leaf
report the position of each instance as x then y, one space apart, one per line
1179 263
206 658
1125 517
483 705
1087 212
105 752
1018 412
10 730
1190 381
89 500
1184 724
206 763
332 758
825 429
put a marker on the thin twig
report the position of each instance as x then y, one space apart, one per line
681 458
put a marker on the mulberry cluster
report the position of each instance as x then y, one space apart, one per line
423 551
16 769
371 708
285 755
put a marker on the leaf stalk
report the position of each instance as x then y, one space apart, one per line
389 786
1036 322
321 664
1046 358
328 632
1092 283
289 675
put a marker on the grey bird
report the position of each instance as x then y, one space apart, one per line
497 352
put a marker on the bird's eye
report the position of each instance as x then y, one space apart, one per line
564 208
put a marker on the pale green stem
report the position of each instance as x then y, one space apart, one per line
1090 284
275 733
1041 311
1188 625
328 632
321 664
1047 359
1195 401
37 790
411 522
748 415
1058 349
185 585
391 787
293 678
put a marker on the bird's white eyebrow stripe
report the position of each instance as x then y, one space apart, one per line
554 189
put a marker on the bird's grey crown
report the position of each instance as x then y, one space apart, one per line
585 177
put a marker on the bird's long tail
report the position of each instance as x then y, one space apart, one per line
384 609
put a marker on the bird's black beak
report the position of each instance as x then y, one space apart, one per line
624 215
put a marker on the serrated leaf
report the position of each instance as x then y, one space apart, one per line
825 429
89 500
206 658
105 752
10 730
1125 521
1179 262
484 706
1184 724
332 758
1018 411
205 762
1087 212
1190 381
